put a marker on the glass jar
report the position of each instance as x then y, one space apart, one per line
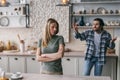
22 46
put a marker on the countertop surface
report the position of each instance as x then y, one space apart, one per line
29 76
66 54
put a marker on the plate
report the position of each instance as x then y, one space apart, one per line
4 21
101 10
19 77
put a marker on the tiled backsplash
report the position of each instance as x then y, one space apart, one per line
41 10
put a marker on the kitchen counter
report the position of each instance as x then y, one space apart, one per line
66 54
81 54
70 54
29 76
72 64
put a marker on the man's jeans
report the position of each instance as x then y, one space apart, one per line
97 67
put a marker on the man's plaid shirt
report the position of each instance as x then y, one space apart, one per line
104 43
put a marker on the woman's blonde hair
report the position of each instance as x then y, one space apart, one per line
46 34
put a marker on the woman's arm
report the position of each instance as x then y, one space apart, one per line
52 56
38 53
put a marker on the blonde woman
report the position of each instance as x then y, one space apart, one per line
51 49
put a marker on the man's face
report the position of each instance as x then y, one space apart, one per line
96 26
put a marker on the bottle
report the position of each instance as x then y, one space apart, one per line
8 45
22 46
82 23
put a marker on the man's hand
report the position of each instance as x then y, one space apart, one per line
75 27
114 39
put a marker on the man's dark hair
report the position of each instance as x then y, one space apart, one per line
100 21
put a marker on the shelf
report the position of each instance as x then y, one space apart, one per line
12 27
12 5
12 15
107 10
105 27
16 4
63 5
99 2
95 14
17 14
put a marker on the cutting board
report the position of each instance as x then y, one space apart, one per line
10 51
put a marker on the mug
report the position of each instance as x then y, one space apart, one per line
14 75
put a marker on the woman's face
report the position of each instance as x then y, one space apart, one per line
96 26
53 28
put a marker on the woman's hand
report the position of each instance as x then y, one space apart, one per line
43 56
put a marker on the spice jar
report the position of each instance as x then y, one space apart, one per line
8 45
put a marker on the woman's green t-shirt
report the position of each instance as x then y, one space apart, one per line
53 46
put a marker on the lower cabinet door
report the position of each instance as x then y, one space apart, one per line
70 66
107 68
110 68
17 64
81 66
33 66
4 63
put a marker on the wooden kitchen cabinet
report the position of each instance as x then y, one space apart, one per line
24 64
33 66
81 66
70 65
16 64
110 68
4 63
107 68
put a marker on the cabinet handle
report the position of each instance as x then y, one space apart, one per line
16 58
0 58
68 59
33 59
